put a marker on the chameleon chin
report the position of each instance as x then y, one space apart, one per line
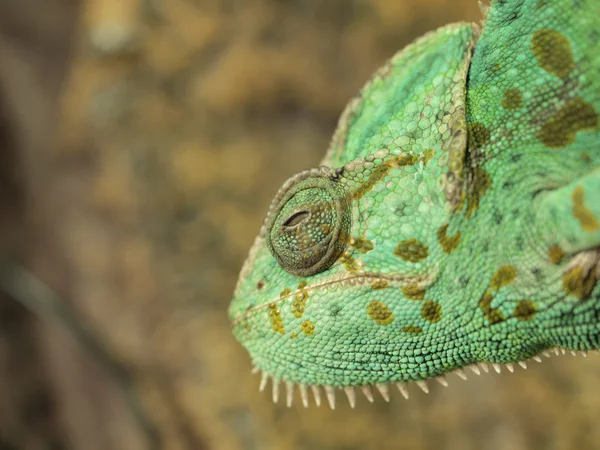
454 221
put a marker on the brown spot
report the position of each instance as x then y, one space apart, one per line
583 213
497 67
575 115
412 329
586 157
524 310
493 315
244 322
379 284
555 254
285 293
512 99
344 238
349 262
504 276
553 52
325 228
304 241
579 282
362 245
413 291
261 284
447 243
308 328
540 4
480 184
477 135
431 311
381 171
380 313
276 320
378 174
403 160
411 250
461 201
427 155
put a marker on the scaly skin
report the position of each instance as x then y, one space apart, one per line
455 220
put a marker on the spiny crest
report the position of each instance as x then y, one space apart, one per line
384 389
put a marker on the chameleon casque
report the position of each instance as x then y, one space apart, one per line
454 221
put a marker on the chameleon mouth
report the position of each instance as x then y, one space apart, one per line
384 388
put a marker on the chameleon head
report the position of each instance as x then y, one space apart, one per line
425 251
315 303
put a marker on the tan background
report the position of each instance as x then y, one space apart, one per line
174 123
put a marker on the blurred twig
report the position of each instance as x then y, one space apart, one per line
38 298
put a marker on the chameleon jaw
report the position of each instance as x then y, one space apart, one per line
384 388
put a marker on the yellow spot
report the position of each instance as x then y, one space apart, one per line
294 335
493 315
479 186
560 129
349 262
583 213
477 135
447 243
379 284
411 250
362 245
413 291
299 304
431 311
286 292
308 328
555 254
380 313
412 329
504 276
579 283
512 99
276 320
553 52
524 310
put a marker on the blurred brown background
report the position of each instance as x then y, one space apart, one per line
142 141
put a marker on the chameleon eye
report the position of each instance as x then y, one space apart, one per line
309 226
296 219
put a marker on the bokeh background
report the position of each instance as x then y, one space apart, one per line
142 141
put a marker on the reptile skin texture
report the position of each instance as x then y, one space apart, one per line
454 221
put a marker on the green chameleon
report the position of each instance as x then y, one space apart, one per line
454 221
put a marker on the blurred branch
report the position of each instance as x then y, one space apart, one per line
37 297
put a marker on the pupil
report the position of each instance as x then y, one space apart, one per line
296 219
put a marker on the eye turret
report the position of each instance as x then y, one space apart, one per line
308 227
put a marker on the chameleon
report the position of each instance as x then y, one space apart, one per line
453 223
